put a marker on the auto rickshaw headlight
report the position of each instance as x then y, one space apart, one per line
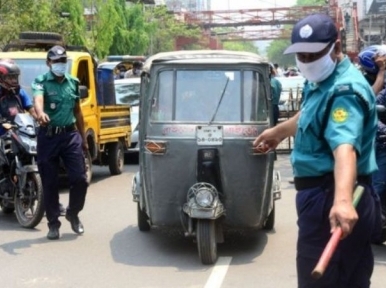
203 194
204 198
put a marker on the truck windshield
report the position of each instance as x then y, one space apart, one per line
199 95
30 69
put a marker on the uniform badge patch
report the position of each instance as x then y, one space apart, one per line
339 115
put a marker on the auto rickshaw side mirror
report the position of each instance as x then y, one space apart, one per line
83 92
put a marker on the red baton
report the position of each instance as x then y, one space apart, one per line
330 248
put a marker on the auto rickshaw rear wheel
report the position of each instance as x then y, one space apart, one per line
270 222
115 158
206 241
143 219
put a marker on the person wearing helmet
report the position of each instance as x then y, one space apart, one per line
135 71
13 99
373 64
61 135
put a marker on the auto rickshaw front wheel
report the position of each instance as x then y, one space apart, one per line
206 241
143 219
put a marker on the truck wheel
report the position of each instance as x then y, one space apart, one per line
142 218
206 241
40 36
116 158
270 222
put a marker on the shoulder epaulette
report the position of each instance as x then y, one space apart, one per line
343 89
41 78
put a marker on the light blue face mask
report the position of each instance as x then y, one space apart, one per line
59 69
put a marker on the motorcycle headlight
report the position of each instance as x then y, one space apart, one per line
29 143
204 198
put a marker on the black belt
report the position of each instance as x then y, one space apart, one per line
325 180
54 130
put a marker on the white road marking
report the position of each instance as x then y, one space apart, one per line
218 273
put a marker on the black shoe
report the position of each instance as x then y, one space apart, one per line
76 225
53 233
62 209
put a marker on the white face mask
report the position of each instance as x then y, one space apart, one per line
58 69
318 70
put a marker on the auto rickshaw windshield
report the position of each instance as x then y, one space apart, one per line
202 95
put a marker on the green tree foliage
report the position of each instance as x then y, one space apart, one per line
164 29
105 20
42 15
246 46
277 47
132 31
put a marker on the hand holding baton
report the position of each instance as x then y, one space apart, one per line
330 248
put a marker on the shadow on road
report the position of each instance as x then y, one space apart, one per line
160 248
12 247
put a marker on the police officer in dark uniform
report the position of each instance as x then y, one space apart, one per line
57 105
333 152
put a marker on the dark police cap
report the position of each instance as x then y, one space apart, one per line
56 53
312 34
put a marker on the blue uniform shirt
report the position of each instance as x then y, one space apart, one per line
352 120
276 90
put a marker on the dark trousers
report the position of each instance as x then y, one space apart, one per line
379 176
67 146
275 114
352 264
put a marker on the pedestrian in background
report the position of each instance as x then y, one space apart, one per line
276 89
333 152
57 105
347 18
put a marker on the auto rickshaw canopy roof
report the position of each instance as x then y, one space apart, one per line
204 56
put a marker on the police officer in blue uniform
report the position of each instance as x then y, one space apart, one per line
57 105
333 152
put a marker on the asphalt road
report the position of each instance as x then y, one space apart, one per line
114 253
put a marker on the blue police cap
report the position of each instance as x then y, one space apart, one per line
56 53
312 34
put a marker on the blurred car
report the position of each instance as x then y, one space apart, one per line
127 93
294 85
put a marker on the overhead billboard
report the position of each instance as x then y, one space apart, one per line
376 6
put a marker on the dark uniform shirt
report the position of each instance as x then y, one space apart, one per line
59 98
352 120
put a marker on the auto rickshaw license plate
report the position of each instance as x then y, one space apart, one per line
209 135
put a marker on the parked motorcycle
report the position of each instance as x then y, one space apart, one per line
20 183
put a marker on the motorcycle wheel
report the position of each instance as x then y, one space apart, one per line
30 209
206 241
